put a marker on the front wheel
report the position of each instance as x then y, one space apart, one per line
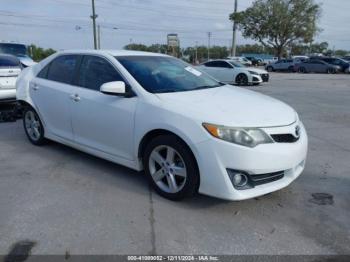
171 167
269 69
33 127
242 80
331 71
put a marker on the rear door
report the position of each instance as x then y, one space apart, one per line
52 92
220 70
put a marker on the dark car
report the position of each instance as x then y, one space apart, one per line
316 66
347 58
335 61
255 61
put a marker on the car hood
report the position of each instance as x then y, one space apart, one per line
230 106
257 70
27 61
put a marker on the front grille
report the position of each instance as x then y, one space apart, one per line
265 77
284 138
257 180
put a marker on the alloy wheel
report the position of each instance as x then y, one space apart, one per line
32 125
168 169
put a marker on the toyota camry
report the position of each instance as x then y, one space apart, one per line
152 112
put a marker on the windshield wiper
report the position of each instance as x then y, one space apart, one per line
165 91
205 87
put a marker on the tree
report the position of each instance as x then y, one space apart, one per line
39 53
279 23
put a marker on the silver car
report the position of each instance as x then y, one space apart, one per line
317 66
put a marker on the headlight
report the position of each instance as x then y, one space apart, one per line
253 73
250 137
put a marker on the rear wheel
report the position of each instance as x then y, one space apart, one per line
330 71
242 80
302 70
171 167
269 69
33 126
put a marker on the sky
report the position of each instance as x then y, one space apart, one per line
66 24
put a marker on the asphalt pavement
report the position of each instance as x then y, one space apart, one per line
67 202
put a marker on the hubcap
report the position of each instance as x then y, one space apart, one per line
168 169
32 125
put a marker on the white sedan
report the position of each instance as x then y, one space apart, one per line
232 72
153 112
10 68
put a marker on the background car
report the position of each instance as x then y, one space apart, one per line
334 61
281 65
316 66
241 59
346 58
18 50
232 72
10 68
255 61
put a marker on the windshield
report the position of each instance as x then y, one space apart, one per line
13 49
159 74
236 64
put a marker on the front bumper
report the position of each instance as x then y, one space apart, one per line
215 157
265 77
7 95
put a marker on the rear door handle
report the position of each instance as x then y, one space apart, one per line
75 97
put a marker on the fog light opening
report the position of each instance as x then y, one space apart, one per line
239 180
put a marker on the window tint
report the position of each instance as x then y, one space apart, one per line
222 64
43 72
62 69
95 71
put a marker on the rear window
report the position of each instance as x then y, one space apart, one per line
8 61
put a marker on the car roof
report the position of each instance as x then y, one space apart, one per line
112 52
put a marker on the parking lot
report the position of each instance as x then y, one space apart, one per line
68 202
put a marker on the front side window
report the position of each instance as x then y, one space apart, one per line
158 74
62 69
96 71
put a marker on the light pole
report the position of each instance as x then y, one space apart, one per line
93 17
234 40
209 36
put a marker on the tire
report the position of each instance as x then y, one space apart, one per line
269 69
302 70
162 156
331 71
242 80
33 126
291 69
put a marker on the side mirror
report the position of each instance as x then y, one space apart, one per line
116 88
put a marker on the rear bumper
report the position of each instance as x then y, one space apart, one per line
7 95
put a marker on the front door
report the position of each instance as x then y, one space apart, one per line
102 122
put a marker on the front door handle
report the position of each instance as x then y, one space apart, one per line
75 97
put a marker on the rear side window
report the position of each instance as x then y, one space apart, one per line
96 71
43 72
8 61
222 64
62 69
